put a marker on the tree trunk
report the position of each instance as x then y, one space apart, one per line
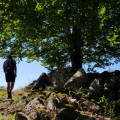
76 60
75 48
77 42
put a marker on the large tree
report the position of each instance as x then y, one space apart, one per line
56 32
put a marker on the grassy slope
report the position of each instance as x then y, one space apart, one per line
3 94
9 107
22 97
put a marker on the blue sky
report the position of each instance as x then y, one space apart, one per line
27 72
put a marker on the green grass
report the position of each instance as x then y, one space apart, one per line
9 117
3 93
17 102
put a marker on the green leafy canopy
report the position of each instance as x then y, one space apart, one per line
56 32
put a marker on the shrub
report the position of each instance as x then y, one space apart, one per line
109 106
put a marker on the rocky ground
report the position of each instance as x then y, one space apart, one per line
64 95
48 105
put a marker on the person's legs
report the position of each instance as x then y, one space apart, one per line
12 86
10 79
8 87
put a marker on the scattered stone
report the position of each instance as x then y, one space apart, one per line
66 104
78 80
63 97
106 83
42 81
32 109
96 89
54 103
91 77
72 101
90 106
59 77
112 87
83 117
67 114
21 116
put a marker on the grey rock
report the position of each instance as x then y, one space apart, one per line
54 103
112 87
64 99
78 80
83 117
42 81
105 84
21 116
91 77
91 106
115 79
67 114
59 77
32 107
96 88
72 101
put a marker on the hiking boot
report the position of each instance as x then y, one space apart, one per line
9 95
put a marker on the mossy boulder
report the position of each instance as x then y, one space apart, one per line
32 109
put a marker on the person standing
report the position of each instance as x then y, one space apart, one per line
10 70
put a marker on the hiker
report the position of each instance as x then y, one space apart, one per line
10 71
